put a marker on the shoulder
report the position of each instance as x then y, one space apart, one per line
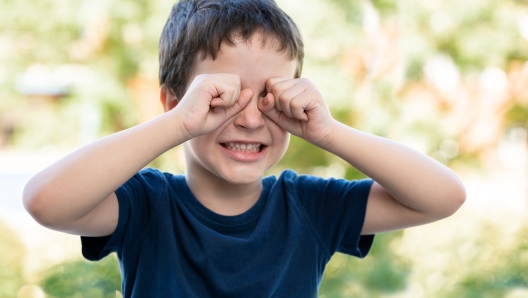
146 182
290 176
151 175
314 183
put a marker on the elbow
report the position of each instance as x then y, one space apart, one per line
35 200
30 199
454 198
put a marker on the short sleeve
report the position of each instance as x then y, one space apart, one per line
336 208
135 209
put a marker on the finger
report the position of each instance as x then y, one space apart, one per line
272 82
242 101
234 81
286 98
244 98
267 106
266 103
277 86
298 106
225 94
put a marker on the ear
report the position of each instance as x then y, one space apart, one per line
167 98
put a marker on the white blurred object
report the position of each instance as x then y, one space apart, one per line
493 79
371 18
523 27
30 291
449 148
517 293
513 149
440 21
442 72
132 33
40 79
89 123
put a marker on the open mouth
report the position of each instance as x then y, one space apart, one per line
243 147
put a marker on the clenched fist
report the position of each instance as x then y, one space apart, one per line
210 100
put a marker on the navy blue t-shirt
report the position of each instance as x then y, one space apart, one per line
170 245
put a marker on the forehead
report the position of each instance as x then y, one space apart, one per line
254 60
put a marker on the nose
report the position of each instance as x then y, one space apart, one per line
250 117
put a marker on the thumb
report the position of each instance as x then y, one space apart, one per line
267 106
243 99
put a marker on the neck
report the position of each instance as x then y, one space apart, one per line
221 196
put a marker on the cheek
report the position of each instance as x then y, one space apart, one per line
286 141
207 141
281 141
273 127
281 138
197 146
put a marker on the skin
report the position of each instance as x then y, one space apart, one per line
246 96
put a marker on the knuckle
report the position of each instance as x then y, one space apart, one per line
201 77
197 80
316 93
275 88
284 99
305 81
296 105
269 85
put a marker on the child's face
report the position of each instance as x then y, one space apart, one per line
221 153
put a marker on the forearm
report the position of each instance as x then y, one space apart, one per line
413 179
77 183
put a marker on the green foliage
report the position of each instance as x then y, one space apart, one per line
381 272
302 156
109 43
352 9
82 278
386 7
12 252
517 114
494 269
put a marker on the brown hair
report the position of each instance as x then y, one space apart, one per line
200 26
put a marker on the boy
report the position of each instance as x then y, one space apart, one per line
230 87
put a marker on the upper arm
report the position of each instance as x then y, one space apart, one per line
100 221
384 213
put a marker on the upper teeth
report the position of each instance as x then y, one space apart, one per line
242 146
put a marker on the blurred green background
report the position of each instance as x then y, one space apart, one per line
448 78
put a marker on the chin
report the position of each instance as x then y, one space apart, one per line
243 177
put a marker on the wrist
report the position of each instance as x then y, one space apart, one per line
330 136
175 127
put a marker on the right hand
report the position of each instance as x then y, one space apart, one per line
210 100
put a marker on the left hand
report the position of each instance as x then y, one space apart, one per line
297 106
